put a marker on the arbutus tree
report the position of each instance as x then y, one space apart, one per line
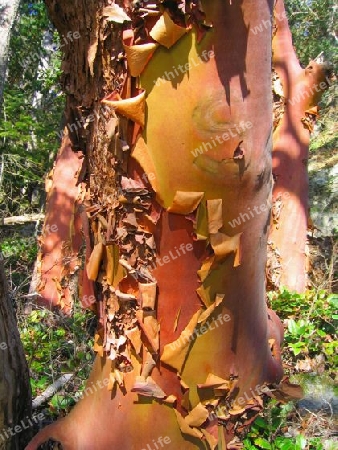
297 92
169 116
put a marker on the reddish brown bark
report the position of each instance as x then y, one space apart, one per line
58 260
145 209
302 90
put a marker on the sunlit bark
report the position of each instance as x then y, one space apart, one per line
58 265
298 94
186 343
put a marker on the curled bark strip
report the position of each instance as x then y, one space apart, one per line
61 236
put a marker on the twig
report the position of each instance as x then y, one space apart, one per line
51 390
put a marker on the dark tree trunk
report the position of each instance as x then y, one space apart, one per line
15 392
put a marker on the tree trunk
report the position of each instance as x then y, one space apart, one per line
8 11
297 91
15 392
177 204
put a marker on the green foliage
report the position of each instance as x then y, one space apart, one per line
326 133
312 23
32 108
20 254
267 431
14 248
54 345
311 320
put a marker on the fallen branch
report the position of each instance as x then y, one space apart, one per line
16 220
51 390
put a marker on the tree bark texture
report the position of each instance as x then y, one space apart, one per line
15 393
297 92
176 109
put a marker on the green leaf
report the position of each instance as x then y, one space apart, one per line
283 443
301 442
42 383
293 327
61 401
261 423
298 347
247 445
333 299
262 443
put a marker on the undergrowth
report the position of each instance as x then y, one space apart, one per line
310 346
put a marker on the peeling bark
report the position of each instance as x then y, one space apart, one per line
297 92
59 259
185 343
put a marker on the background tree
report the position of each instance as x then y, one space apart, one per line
297 93
15 393
313 33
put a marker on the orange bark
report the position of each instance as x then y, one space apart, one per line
302 91
181 364
61 236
